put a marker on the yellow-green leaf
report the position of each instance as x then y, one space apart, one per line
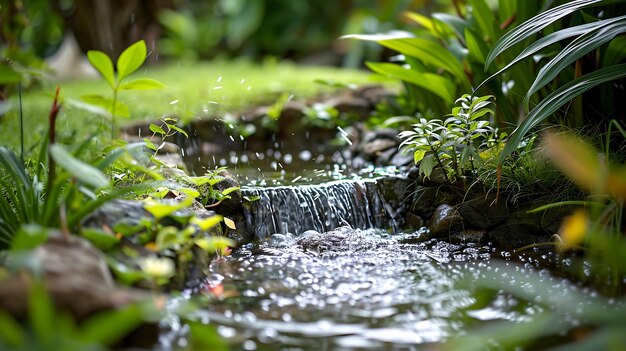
206 223
101 62
131 59
230 223
141 84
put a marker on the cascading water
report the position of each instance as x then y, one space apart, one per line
288 209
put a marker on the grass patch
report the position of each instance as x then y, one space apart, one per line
198 90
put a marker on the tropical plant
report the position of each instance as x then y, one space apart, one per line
454 145
129 61
597 34
445 56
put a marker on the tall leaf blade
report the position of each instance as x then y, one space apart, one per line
428 52
558 98
101 62
575 50
535 24
484 17
544 43
436 84
131 59
82 171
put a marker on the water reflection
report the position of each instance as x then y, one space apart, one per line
387 295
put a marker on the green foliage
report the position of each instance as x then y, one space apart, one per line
597 320
129 61
46 329
587 37
453 146
445 56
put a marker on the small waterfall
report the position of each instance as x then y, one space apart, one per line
355 203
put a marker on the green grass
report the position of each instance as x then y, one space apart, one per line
192 91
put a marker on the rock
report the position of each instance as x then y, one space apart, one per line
342 239
516 233
374 94
129 212
484 212
414 221
426 198
384 157
373 148
465 236
76 276
351 105
402 160
228 207
445 220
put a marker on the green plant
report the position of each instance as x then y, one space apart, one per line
445 56
47 329
567 319
129 61
599 34
454 145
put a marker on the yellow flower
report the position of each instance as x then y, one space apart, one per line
573 229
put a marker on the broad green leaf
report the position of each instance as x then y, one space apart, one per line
438 85
230 190
161 209
537 23
150 145
558 98
11 333
123 273
206 337
434 25
41 313
428 52
8 75
131 59
418 155
156 129
615 52
578 48
101 62
106 104
484 18
178 130
449 25
141 84
477 47
107 328
544 42
206 223
28 237
82 171
100 238
427 165
166 238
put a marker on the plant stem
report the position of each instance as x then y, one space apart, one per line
19 92
113 113
445 175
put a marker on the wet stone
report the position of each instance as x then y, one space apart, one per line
445 220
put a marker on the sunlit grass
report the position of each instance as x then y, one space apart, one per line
196 90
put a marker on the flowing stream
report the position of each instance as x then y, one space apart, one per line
368 286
